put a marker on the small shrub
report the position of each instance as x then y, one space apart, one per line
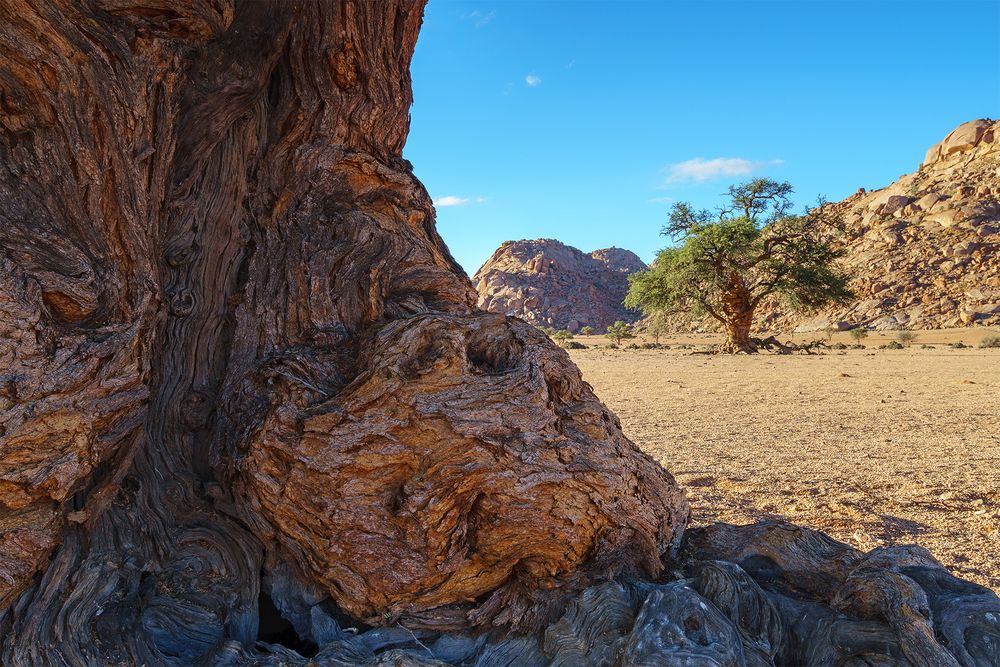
612 346
587 331
958 346
905 336
573 345
561 336
859 334
925 346
657 325
857 346
619 331
892 345
839 346
990 341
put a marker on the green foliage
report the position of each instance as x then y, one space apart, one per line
573 345
587 331
619 331
858 333
990 341
741 254
905 336
891 345
657 325
561 336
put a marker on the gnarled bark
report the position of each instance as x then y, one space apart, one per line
241 356
737 317
250 412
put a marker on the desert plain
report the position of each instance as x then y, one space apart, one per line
875 447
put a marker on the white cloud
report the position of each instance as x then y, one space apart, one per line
478 18
699 170
452 200
533 80
570 64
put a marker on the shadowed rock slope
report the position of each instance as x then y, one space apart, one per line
549 283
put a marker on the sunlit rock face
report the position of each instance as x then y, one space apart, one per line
551 284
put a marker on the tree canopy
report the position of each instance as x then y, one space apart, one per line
724 263
620 331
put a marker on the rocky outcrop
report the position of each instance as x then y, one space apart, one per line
923 251
549 283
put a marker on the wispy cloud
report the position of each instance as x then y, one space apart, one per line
570 64
699 170
452 200
661 200
478 18
533 80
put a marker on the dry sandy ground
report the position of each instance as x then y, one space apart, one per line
874 447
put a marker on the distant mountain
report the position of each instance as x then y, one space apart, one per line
549 283
924 250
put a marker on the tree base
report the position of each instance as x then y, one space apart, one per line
733 347
764 594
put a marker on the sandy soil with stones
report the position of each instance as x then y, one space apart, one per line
874 447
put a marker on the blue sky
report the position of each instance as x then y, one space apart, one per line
583 121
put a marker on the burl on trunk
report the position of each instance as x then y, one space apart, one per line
250 413
235 345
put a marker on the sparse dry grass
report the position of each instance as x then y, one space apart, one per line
873 447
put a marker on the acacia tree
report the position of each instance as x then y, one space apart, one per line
619 331
657 324
728 261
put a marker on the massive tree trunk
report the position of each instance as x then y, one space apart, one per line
737 313
248 403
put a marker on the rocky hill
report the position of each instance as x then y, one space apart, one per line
549 283
924 250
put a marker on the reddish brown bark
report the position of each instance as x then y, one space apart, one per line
737 313
245 385
238 346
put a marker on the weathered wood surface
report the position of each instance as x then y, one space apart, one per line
249 412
